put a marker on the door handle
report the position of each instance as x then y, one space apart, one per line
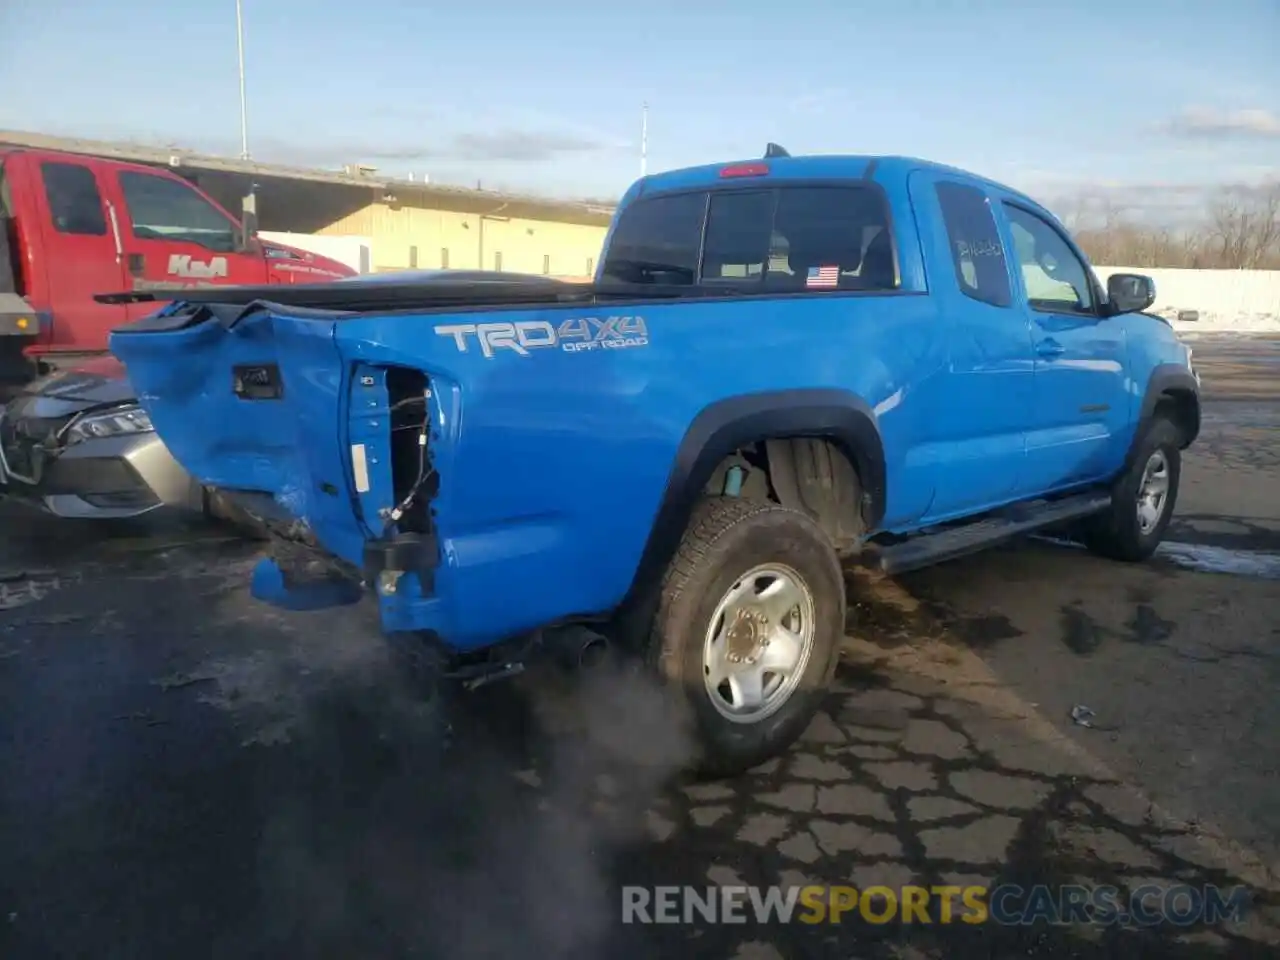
135 264
1050 348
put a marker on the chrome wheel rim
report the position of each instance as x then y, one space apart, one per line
758 643
1153 491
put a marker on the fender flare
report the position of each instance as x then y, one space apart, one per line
1167 380
842 417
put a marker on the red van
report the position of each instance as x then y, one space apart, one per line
74 226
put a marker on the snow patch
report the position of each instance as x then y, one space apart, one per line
1236 301
1206 559
1203 558
1224 323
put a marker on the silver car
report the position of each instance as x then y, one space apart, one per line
76 444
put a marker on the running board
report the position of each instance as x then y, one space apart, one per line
927 549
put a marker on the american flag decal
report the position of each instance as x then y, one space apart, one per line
823 277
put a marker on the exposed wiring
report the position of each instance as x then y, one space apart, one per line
424 474
407 402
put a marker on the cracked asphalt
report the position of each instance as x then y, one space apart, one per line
184 772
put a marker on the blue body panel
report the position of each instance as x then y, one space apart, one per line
552 463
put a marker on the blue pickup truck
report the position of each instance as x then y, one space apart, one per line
782 365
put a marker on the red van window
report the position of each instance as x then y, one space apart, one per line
165 209
74 201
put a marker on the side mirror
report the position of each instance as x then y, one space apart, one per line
1130 292
248 238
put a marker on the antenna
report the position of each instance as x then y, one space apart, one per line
644 138
772 150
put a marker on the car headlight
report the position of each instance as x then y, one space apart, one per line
122 421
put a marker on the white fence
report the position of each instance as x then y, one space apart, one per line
1240 301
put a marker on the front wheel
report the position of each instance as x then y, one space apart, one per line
1142 498
750 625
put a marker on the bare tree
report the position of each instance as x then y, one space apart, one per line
1240 230
1245 227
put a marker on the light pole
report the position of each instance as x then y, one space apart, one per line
244 104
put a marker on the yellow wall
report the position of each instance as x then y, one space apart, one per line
569 249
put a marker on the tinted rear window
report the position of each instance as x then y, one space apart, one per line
976 251
6 199
10 267
75 205
657 240
792 238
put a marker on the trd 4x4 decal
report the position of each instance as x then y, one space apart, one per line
573 336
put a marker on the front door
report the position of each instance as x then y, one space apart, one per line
82 255
175 237
1081 396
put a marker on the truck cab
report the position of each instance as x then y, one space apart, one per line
75 226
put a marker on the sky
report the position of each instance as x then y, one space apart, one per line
1139 103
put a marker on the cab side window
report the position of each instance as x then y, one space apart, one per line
1056 280
75 205
976 251
165 209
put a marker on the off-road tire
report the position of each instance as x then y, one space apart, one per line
725 538
1116 533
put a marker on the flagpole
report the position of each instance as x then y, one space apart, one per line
244 103
644 138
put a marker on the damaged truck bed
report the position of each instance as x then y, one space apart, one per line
369 494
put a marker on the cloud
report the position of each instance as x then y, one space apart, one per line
496 146
1207 123
818 102
492 144
519 145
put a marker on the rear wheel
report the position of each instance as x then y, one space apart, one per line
1142 498
749 625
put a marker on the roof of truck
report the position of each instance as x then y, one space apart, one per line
880 168
88 160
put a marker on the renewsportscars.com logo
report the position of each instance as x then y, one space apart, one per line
1144 905
572 336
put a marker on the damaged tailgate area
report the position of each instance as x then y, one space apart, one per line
393 484
391 414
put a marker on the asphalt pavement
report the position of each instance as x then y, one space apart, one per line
184 772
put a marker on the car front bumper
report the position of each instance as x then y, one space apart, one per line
99 479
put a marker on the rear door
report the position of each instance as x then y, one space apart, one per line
175 237
977 442
79 252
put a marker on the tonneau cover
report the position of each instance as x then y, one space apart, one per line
358 296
